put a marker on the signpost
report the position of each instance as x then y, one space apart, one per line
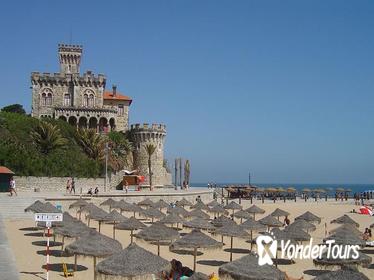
48 218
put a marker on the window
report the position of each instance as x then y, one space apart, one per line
85 100
67 100
46 97
91 101
121 110
88 98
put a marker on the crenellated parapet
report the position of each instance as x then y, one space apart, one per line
145 127
88 79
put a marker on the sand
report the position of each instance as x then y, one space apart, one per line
30 255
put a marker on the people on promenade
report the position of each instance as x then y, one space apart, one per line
96 192
12 186
90 192
72 189
68 186
126 186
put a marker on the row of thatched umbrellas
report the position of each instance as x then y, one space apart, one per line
88 243
286 190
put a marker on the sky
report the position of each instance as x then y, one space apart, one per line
281 89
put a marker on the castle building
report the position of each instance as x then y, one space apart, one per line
83 101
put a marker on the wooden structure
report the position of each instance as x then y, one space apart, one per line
5 175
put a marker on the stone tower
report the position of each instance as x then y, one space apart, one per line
142 135
70 58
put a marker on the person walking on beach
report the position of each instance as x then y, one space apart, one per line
68 186
126 186
72 189
12 186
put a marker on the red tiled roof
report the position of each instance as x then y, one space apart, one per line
4 170
108 95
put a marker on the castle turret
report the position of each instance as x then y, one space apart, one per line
70 58
155 134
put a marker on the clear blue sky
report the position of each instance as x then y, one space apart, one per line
282 88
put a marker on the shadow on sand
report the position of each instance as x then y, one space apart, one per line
211 262
43 243
57 267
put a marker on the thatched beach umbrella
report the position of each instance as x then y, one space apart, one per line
222 221
94 244
213 203
40 207
130 224
183 202
146 202
218 210
97 215
200 206
304 225
345 219
255 210
347 227
279 213
199 214
88 209
242 214
158 232
179 211
309 217
172 219
362 259
232 231
342 274
161 204
270 222
195 240
306 190
71 230
252 225
114 218
297 234
247 268
78 203
199 223
131 263
233 206
346 237
109 202
128 207
152 213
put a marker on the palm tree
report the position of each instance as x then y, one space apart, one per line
150 149
91 142
120 154
47 137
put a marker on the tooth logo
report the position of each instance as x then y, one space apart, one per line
265 253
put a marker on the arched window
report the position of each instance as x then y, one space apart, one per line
46 97
49 99
91 101
67 101
85 100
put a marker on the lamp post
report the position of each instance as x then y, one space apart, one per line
249 178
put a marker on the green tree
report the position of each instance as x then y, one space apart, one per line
91 143
150 149
120 150
14 108
47 137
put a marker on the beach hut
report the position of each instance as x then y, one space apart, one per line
195 240
5 175
94 244
130 224
255 210
232 231
247 268
158 232
131 263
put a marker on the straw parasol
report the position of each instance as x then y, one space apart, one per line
309 217
242 214
146 202
233 206
78 203
347 227
306 190
161 204
178 210
339 190
199 223
255 210
94 245
232 231
279 213
40 207
345 219
130 224
109 202
158 232
114 218
184 202
199 214
172 219
291 190
270 221
247 268
213 203
304 225
342 274
88 209
296 233
362 259
195 240
71 230
200 205
97 215
218 209
128 207
346 237
152 213
252 225
221 221
133 262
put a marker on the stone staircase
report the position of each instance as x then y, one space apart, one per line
13 207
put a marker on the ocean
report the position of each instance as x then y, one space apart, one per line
354 187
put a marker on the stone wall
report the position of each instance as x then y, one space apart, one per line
52 184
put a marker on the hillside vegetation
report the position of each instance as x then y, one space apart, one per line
48 147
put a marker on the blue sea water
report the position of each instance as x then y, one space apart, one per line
354 187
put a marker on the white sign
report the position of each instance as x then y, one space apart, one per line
48 217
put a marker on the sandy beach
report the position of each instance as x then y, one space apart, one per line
29 251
